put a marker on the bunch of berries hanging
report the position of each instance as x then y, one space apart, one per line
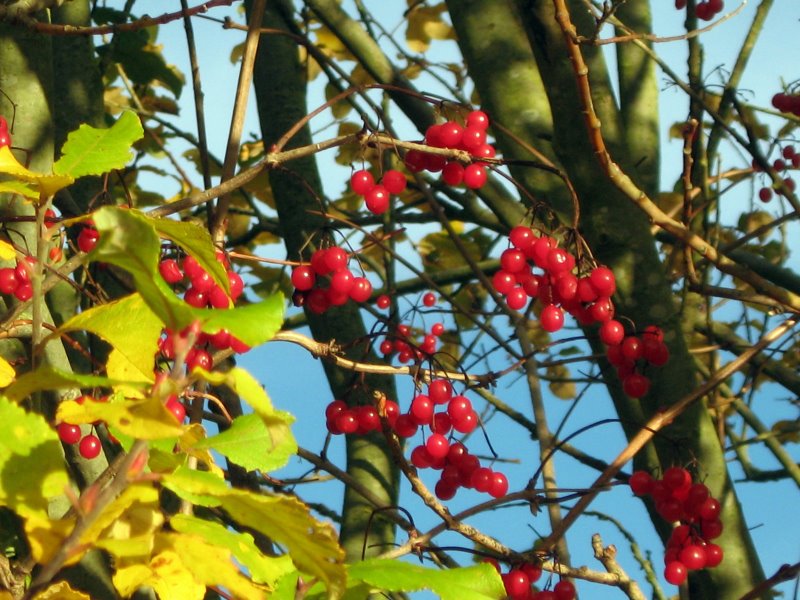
470 137
695 514
788 102
401 341
328 281
377 196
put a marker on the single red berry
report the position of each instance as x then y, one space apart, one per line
498 486
361 290
517 584
603 281
176 408
450 134
453 173
362 182
8 280
383 302
477 118
414 161
90 447
709 509
612 332
68 433
484 151
347 421
24 291
440 391
467 423
676 572
513 260
503 281
437 329
196 298
429 299
522 237
565 590
693 556
445 490
421 409
87 239
368 419
303 277
641 483
437 445
482 479
459 408
170 270
552 318
236 285
712 529
677 478
473 138
394 181
377 200
714 555
475 176
517 298
636 385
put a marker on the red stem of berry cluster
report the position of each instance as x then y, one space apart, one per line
661 420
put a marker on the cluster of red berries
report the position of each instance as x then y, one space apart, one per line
696 513
705 9
327 281
401 343
458 467
470 137
789 158
586 297
631 354
788 103
202 292
518 581
16 280
5 136
377 195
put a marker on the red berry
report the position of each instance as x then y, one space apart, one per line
437 329
517 584
362 182
552 318
440 391
429 299
361 290
236 285
564 590
414 161
636 385
383 301
473 138
394 181
712 529
603 281
475 176
503 281
87 239
522 237
90 446
641 482
675 572
477 118
516 298
459 408
8 280
513 260
170 270
68 433
445 490
453 173
693 556
467 423
347 421
377 200
437 445
303 278
677 478
533 571
498 486
176 408
709 509
421 409
612 332
24 291
450 134
714 555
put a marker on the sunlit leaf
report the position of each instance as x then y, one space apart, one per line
134 512
312 545
61 591
47 378
7 373
253 444
263 569
131 328
142 418
559 382
31 460
46 184
425 23
166 573
19 187
92 151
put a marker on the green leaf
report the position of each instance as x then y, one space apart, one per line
31 460
254 443
129 240
479 582
143 63
131 328
195 240
311 544
92 151
263 569
47 378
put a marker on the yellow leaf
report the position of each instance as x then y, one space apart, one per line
425 24
61 591
7 373
46 536
146 419
47 184
331 45
7 251
560 384
134 512
193 434
18 187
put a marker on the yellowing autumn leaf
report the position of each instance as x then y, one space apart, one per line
7 373
425 23
45 184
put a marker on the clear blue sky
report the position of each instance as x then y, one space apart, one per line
772 513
